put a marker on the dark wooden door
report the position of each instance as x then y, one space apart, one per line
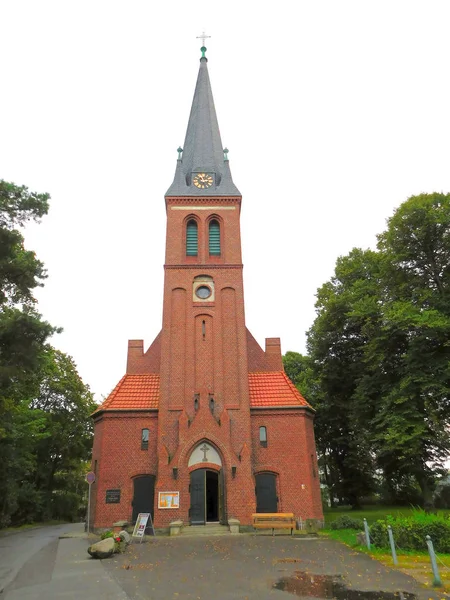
144 495
266 493
198 490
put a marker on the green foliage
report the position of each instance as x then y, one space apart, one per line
119 543
18 205
45 430
410 532
346 522
299 369
373 513
379 360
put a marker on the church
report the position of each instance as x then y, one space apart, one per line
205 425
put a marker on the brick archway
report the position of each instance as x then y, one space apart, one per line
191 444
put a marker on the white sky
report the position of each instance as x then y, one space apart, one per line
334 113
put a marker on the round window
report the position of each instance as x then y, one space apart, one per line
203 292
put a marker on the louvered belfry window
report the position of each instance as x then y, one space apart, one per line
192 238
214 238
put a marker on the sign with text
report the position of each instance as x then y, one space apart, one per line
141 524
168 499
112 496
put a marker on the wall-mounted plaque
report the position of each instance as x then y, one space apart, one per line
112 496
168 499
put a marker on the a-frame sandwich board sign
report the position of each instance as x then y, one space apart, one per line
143 522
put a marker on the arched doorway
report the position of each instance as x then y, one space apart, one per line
207 485
143 495
205 497
266 493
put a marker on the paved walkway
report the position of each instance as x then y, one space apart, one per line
57 569
249 567
244 567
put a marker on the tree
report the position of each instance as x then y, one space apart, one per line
45 430
299 370
23 336
22 331
336 344
381 358
415 412
66 404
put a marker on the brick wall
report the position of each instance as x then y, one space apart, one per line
291 454
139 362
117 450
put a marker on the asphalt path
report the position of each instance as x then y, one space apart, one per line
52 563
17 548
257 567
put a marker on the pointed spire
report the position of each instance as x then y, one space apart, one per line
202 150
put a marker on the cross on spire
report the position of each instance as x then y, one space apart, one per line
203 37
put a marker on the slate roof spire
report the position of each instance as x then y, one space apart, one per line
203 151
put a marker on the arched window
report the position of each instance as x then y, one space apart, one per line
191 238
263 437
144 439
214 238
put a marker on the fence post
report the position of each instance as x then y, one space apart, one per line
391 541
436 578
366 530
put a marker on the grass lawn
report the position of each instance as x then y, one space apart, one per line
371 513
414 563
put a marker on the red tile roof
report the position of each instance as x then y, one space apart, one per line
141 392
133 392
273 389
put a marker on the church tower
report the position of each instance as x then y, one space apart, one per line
215 429
204 372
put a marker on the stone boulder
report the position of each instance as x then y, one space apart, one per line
103 549
361 538
125 536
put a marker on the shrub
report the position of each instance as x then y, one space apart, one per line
346 522
410 532
119 542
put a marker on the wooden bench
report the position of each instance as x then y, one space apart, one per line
274 521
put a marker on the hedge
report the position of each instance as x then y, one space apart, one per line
410 532
346 522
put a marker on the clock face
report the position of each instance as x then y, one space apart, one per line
203 292
202 180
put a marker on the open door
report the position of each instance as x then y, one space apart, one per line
222 505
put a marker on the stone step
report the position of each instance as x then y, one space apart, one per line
205 530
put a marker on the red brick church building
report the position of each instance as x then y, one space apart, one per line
205 425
